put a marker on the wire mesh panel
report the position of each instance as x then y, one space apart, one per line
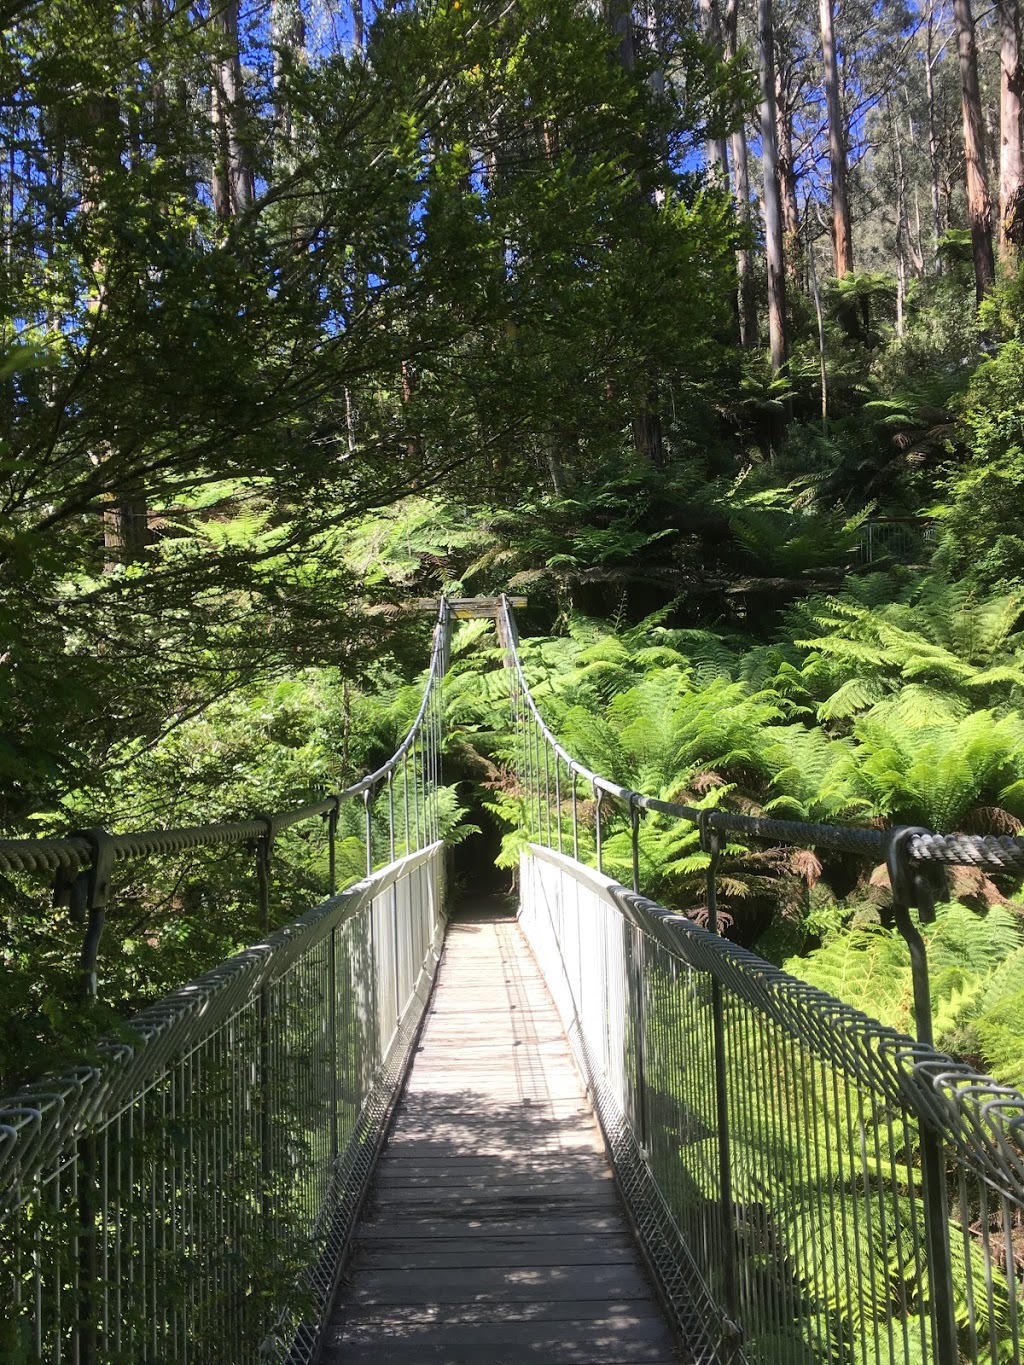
156 1206
810 1186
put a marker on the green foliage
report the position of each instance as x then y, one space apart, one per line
981 522
977 978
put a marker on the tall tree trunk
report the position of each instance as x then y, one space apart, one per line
842 235
822 368
778 339
288 34
125 531
899 175
1011 209
619 17
232 180
747 303
123 518
791 239
358 26
933 135
979 212
646 414
717 147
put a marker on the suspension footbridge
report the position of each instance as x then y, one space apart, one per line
372 1136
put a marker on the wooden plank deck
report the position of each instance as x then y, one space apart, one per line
493 1235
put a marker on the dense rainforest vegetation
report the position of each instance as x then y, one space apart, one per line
699 323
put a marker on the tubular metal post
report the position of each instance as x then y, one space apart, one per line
86 894
634 838
547 792
575 819
598 800
263 854
558 801
711 843
535 822
391 814
87 1322
432 773
439 774
332 845
415 796
405 800
368 810
332 1024
639 1009
910 887
639 1014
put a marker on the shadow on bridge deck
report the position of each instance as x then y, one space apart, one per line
493 1233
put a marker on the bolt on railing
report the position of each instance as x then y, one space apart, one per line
186 1196
835 1190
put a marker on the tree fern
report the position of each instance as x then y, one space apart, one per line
935 774
977 965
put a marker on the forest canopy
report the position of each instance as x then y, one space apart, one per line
706 316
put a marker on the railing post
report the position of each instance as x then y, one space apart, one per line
712 845
575 819
547 790
598 800
634 839
415 795
332 846
535 774
263 851
405 802
264 844
86 895
332 1045
368 810
558 802
639 1011
910 887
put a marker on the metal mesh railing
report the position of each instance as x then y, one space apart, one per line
896 538
809 1185
186 1196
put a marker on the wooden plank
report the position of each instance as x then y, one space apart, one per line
537 1251
493 1235
497 1284
551 1350
508 1225
617 1314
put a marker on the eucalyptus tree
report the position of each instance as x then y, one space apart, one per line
740 168
1011 168
842 232
979 207
771 192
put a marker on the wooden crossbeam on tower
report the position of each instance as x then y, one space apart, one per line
469 608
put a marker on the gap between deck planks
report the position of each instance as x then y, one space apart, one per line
493 1234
